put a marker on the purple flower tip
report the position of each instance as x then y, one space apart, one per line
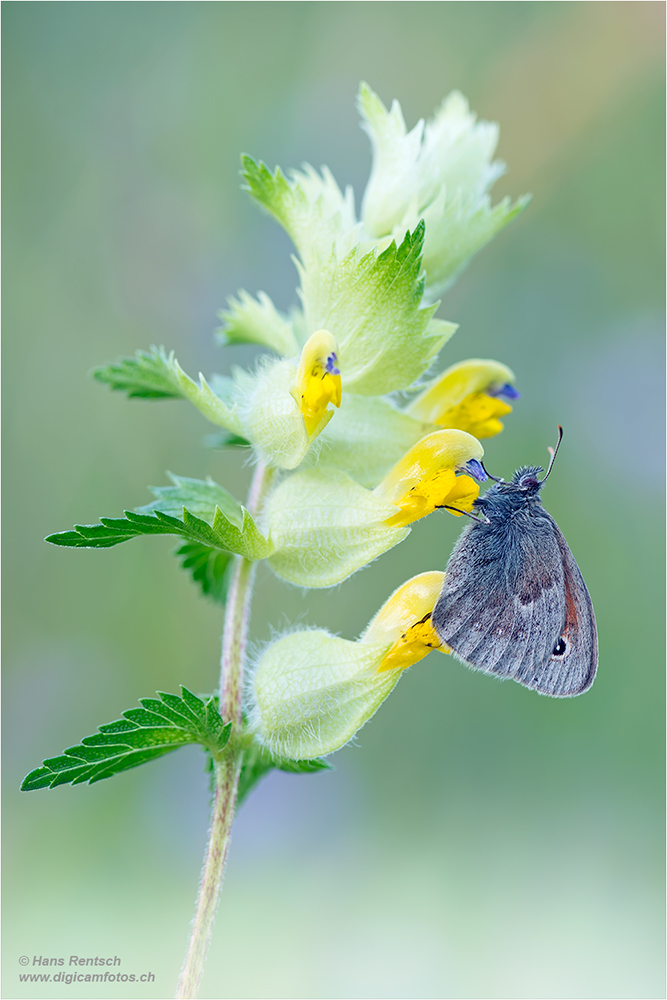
330 364
476 470
507 390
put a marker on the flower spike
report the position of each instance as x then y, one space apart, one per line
318 379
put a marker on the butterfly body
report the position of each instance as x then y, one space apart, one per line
514 603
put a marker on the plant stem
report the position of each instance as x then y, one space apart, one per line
228 768
226 782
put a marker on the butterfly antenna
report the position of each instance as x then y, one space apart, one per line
553 452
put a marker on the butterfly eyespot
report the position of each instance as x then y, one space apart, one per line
561 649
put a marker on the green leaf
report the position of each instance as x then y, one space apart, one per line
209 568
199 496
231 530
147 375
158 375
303 766
257 321
162 724
225 439
256 763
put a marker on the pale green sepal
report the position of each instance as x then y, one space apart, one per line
457 230
372 304
368 437
257 321
324 526
314 691
271 417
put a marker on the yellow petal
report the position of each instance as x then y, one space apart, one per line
416 642
425 478
318 379
478 414
463 397
405 621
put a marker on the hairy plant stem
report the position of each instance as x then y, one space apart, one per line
228 768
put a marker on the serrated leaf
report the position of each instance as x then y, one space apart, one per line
156 374
198 496
209 568
367 294
257 321
146 375
372 304
231 530
141 735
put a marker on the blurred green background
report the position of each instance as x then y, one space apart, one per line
478 841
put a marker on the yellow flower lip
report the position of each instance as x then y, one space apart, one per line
318 380
405 621
466 396
426 477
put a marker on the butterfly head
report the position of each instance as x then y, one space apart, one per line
526 478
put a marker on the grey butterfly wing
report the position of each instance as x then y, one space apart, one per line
507 599
573 671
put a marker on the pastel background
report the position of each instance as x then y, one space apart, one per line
478 841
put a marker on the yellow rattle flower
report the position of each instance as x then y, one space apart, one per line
318 380
312 691
426 477
467 396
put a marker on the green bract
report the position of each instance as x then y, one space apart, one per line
257 321
440 172
369 299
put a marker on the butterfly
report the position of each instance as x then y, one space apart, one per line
514 602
